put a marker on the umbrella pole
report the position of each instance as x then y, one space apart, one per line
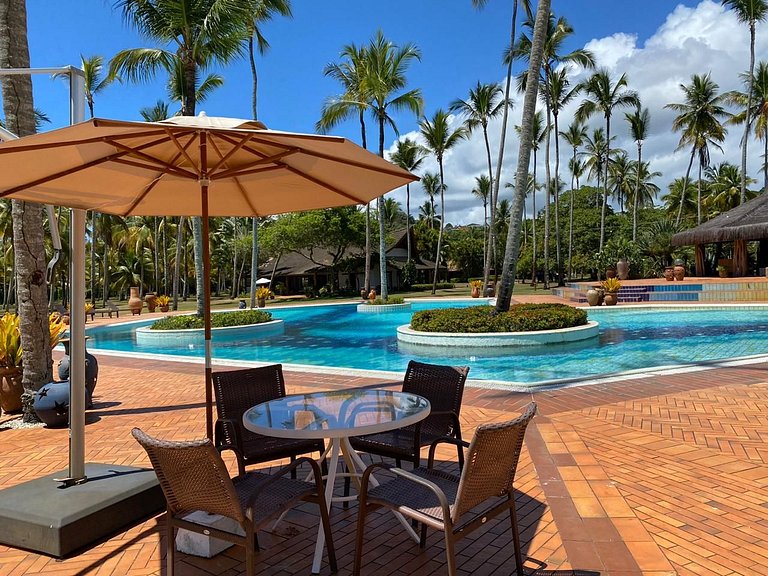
206 285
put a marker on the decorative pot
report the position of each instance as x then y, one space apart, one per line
372 295
610 272
363 294
611 298
134 302
669 273
51 404
679 272
622 269
490 291
151 299
91 369
593 297
10 389
261 302
164 308
475 292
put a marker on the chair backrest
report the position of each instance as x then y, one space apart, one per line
238 390
192 476
443 386
491 462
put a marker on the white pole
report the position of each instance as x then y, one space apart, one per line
77 312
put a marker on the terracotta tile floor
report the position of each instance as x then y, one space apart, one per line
655 476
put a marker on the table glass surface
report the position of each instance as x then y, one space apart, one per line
336 413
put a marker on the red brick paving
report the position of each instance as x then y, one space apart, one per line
653 476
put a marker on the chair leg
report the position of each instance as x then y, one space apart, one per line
450 553
515 534
251 545
170 544
326 520
423 536
293 472
361 513
347 479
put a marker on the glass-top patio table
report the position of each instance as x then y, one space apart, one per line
336 416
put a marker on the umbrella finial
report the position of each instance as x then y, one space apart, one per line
202 114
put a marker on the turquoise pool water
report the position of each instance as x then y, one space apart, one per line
630 338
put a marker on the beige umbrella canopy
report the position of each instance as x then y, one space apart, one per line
191 166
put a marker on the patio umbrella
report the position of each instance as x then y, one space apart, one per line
150 168
263 281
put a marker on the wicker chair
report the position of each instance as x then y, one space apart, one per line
237 391
193 477
455 505
443 386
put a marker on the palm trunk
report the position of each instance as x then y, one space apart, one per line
748 116
165 255
512 250
442 224
637 191
605 180
28 232
765 162
254 79
177 262
533 223
490 232
684 191
698 198
94 217
547 190
254 259
382 235
367 277
408 220
155 243
560 279
570 220
105 274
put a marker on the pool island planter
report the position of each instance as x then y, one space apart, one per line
382 308
497 339
146 336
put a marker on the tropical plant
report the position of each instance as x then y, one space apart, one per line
723 189
10 341
611 285
408 155
639 124
574 136
163 300
749 12
439 137
262 293
698 120
604 95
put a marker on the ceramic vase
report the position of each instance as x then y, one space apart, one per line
51 404
669 273
134 302
611 298
622 269
10 390
593 297
91 368
475 292
610 272
151 299
679 272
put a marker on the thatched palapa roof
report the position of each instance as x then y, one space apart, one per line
748 221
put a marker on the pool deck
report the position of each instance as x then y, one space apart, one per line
654 476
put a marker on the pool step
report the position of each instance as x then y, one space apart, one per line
674 292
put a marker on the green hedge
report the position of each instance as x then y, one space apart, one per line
520 318
392 300
425 287
218 320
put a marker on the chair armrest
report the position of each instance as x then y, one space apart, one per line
431 486
219 435
417 427
282 472
447 440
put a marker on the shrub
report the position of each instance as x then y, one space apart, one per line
425 287
219 320
520 318
163 300
392 300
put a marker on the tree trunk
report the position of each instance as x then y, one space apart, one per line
29 247
94 218
560 275
684 191
523 158
605 179
748 116
570 220
177 262
442 224
637 191
382 235
408 220
155 243
254 259
547 190
533 220
254 80
489 233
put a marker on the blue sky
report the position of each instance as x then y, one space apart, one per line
659 44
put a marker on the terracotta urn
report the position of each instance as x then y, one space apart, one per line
10 389
151 299
611 298
593 297
610 272
372 295
475 292
622 269
669 273
679 272
134 301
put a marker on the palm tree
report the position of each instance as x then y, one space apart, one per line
385 69
199 33
602 95
427 213
681 198
618 178
639 124
758 109
350 73
537 137
724 188
644 190
432 187
439 137
505 116
485 102
574 137
482 190
750 12
698 120
512 250
410 156
28 244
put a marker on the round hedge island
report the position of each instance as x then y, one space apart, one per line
480 326
379 306
189 329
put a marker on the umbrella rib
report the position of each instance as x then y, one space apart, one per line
257 164
182 149
157 162
324 184
294 135
143 195
223 160
61 144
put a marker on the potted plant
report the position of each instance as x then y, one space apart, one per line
262 294
88 311
163 301
722 270
475 285
611 287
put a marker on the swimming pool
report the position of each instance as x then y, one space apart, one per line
631 338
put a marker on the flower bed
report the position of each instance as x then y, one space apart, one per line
519 318
188 329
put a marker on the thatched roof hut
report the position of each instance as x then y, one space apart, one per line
746 222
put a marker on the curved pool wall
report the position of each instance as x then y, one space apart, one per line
148 337
506 340
335 338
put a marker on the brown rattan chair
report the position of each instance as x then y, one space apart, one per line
443 386
455 505
193 477
237 391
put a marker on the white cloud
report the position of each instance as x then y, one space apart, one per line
698 40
